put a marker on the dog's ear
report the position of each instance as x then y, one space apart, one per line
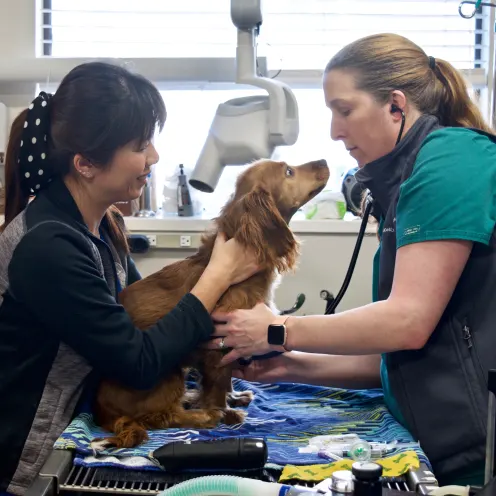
262 228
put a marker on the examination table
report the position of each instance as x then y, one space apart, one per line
286 416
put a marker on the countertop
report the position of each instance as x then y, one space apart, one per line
199 224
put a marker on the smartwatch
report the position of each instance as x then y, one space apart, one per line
277 333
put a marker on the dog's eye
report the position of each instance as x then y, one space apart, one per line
289 172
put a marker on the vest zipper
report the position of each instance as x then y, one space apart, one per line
467 336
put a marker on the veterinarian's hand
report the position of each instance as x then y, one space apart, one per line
233 260
243 330
267 371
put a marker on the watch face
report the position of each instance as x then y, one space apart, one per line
277 334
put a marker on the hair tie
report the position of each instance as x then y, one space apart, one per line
33 152
432 63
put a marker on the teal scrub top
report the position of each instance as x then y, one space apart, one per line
451 194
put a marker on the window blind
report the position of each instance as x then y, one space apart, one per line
295 34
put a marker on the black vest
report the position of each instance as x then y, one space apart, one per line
441 389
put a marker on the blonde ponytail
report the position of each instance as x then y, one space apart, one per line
456 108
383 63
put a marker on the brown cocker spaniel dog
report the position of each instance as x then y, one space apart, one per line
266 196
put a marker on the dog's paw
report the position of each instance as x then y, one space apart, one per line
128 440
233 417
203 419
239 398
191 400
216 418
98 445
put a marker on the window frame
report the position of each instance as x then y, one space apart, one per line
222 70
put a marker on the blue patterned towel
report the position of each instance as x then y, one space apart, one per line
285 415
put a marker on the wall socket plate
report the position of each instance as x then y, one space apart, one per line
152 239
184 241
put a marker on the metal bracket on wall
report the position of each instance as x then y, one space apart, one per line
477 5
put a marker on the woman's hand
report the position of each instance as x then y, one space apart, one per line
267 371
243 330
233 260
230 263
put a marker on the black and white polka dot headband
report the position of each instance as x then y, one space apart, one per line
33 153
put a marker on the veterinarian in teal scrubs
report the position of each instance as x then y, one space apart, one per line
64 258
429 160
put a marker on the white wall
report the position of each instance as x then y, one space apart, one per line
323 264
17 37
17 50
326 248
17 42
18 29
13 112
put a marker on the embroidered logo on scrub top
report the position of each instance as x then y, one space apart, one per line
411 230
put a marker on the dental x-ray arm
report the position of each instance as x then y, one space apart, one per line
247 128
247 17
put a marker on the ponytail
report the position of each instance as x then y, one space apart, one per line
456 109
117 228
16 197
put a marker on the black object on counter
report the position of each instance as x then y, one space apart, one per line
138 243
219 454
367 479
184 203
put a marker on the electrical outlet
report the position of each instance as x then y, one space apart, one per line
152 239
185 241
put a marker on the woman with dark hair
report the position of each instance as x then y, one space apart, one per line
64 258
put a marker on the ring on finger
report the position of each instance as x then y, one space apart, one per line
222 344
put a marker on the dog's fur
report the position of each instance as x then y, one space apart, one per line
267 195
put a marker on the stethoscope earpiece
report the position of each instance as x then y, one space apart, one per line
394 109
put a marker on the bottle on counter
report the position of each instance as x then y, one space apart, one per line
184 203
